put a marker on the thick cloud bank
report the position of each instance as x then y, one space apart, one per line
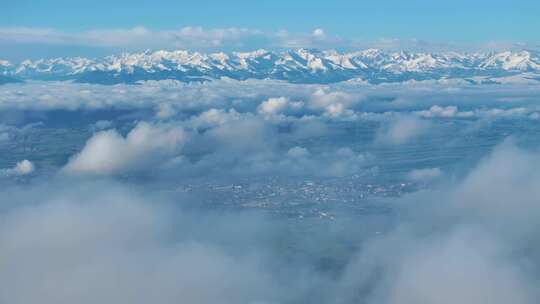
107 152
87 242
100 243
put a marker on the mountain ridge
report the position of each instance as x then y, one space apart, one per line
295 65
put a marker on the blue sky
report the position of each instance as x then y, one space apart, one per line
433 20
457 21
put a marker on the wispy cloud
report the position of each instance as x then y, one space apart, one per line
185 38
216 39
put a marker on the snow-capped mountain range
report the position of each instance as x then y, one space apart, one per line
296 66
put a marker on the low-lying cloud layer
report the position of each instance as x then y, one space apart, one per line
268 192
471 242
276 98
253 127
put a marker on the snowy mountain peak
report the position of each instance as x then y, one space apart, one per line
513 61
295 65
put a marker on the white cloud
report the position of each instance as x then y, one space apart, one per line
96 237
453 111
139 38
273 106
190 37
213 118
342 100
470 242
437 111
402 130
23 167
450 269
333 103
103 243
319 33
108 152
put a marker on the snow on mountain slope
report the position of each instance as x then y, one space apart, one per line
299 65
523 61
